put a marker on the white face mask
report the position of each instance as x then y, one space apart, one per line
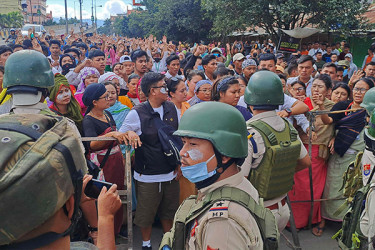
62 96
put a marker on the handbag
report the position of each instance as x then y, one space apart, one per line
94 169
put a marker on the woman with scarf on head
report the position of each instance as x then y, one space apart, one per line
202 92
99 123
348 142
63 101
118 83
87 75
227 90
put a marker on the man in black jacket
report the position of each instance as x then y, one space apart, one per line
155 178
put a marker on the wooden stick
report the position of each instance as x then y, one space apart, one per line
321 112
98 139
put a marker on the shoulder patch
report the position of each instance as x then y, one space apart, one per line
219 210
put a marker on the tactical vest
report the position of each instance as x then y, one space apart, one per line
352 182
350 235
189 211
275 173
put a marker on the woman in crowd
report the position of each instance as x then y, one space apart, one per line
140 95
87 76
202 92
131 98
118 110
67 63
242 83
227 90
63 101
97 123
320 88
340 92
348 142
193 77
177 92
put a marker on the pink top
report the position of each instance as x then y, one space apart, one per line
79 100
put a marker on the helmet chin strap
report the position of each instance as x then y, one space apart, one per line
209 181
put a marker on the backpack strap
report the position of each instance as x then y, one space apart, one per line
265 129
265 219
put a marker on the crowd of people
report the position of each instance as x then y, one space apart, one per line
129 88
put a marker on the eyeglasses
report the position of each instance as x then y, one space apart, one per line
106 97
360 90
205 90
161 87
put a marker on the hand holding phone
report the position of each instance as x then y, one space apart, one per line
94 187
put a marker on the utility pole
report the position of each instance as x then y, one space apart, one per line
31 11
92 13
80 11
66 18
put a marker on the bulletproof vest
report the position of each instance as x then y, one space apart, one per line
190 210
274 175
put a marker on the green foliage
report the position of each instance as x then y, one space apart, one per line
179 20
271 15
106 28
70 21
11 20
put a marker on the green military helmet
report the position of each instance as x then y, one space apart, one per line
369 101
264 88
42 166
28 68
220 123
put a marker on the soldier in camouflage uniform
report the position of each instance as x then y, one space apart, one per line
41 182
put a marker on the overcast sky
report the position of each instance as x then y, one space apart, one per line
109 7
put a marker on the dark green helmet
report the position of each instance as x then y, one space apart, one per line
369 101
220 123
264 88
28 68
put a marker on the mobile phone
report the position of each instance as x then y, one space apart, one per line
94 187
89 34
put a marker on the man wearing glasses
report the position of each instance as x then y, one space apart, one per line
155 178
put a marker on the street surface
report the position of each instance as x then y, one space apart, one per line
307 240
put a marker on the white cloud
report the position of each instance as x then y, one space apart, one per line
111 7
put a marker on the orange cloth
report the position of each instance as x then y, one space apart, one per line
184 107
126 101
368 60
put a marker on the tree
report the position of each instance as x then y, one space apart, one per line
11 20
272 15
106 28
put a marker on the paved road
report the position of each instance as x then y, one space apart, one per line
307 240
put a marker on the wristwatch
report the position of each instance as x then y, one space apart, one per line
289 111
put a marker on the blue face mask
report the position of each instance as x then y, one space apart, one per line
197 172
345 72
200 67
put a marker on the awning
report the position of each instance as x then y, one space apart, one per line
301 32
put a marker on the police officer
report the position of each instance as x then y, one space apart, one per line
367 224
225 214
41 184
27 77
275 151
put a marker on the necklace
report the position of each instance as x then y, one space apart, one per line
97 117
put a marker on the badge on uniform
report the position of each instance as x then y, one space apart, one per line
219 209
366 169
